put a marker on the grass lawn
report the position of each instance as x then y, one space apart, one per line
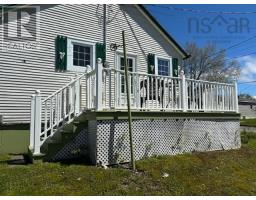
214 173
248 122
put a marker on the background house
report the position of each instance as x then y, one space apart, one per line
247 106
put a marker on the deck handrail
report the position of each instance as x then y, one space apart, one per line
58 109
70 83
138 73
211 82
67 85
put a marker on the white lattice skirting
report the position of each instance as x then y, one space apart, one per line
109 139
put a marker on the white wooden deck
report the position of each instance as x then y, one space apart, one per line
103 89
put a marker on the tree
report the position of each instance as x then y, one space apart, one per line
209 64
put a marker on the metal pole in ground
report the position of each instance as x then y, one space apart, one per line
128 101
104 30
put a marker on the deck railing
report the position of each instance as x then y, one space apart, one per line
104 89
148 91
163 93
211 96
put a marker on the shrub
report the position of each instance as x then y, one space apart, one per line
246 136
244 139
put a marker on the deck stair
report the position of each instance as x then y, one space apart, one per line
58 119
56 144
63 137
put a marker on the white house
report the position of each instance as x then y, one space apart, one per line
67 81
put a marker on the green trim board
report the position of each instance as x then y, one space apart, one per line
61 53
175 67
100 52
151 62
15 126
110 115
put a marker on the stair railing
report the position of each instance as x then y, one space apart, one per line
60 108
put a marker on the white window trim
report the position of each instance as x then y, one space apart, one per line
128 54
70 45
117 65
164 58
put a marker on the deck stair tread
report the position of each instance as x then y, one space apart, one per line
63 136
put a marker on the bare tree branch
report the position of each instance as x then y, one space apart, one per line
205 63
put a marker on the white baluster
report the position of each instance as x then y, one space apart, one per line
172 94
137 91
183 95
51 116
110 89
200 95
45 120
164 93
77 96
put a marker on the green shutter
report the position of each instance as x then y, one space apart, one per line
100 52
151 61
175 63
61 53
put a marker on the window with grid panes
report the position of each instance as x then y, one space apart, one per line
163 67
82 55
130 63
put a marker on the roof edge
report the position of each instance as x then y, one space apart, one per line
142 7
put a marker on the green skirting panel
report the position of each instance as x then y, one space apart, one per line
14 141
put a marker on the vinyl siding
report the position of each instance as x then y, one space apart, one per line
19 80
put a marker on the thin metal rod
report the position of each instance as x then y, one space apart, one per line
104 27
128 102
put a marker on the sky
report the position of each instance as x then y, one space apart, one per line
223 25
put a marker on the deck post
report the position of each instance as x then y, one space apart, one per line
99 85
236 97
183 92
37 122
77 96
70 100
32 123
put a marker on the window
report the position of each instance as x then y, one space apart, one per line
129 63
163 67
131 67
80 54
